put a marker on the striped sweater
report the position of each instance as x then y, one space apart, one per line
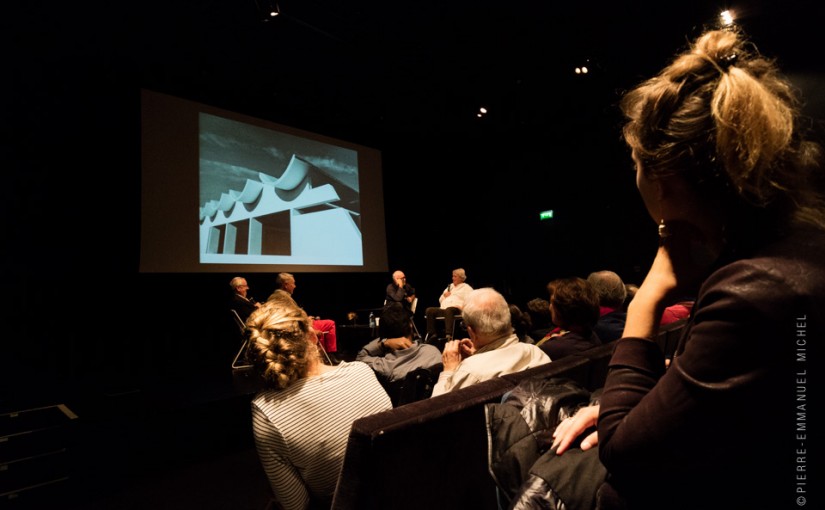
301 432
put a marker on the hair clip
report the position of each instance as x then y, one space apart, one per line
728 60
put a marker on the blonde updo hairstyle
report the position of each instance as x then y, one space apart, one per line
722 116
280 344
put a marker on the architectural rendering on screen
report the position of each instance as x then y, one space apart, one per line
268 197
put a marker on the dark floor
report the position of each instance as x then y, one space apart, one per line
171 444
147 449
229 481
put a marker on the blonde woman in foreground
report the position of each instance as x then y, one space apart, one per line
724 169
302 418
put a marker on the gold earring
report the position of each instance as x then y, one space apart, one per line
664 232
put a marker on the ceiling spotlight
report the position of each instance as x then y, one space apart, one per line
268 9
727 18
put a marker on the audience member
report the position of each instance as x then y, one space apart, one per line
612 292
241 301
285 282
574 306
672 313
724 166
302 418
540 318
394 353
451 301
676 312
399 291
521 323
631 289
492 349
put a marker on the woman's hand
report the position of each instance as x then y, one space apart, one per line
682 262
568 430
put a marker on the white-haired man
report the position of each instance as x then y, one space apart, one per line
492 350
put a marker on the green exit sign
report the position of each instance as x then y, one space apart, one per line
546 215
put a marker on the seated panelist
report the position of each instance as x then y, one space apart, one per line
285 282
241 301
399 291
451 301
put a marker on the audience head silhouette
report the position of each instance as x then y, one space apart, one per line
522 324
539 310
631 292
574 304
395 322
609 287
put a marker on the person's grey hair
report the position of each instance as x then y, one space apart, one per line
236 282
283 278
487 312
460 273
609 287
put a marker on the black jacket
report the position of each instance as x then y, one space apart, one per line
527 472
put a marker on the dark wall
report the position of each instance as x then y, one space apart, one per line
456 195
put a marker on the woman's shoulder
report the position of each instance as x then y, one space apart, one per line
356 369
777 278
795 259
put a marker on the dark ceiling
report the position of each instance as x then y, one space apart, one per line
370 70
373 69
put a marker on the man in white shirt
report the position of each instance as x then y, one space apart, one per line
450 302
492 350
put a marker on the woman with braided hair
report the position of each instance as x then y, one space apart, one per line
302 418
724 168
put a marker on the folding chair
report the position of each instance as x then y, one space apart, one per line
321 347
413 306
238 321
